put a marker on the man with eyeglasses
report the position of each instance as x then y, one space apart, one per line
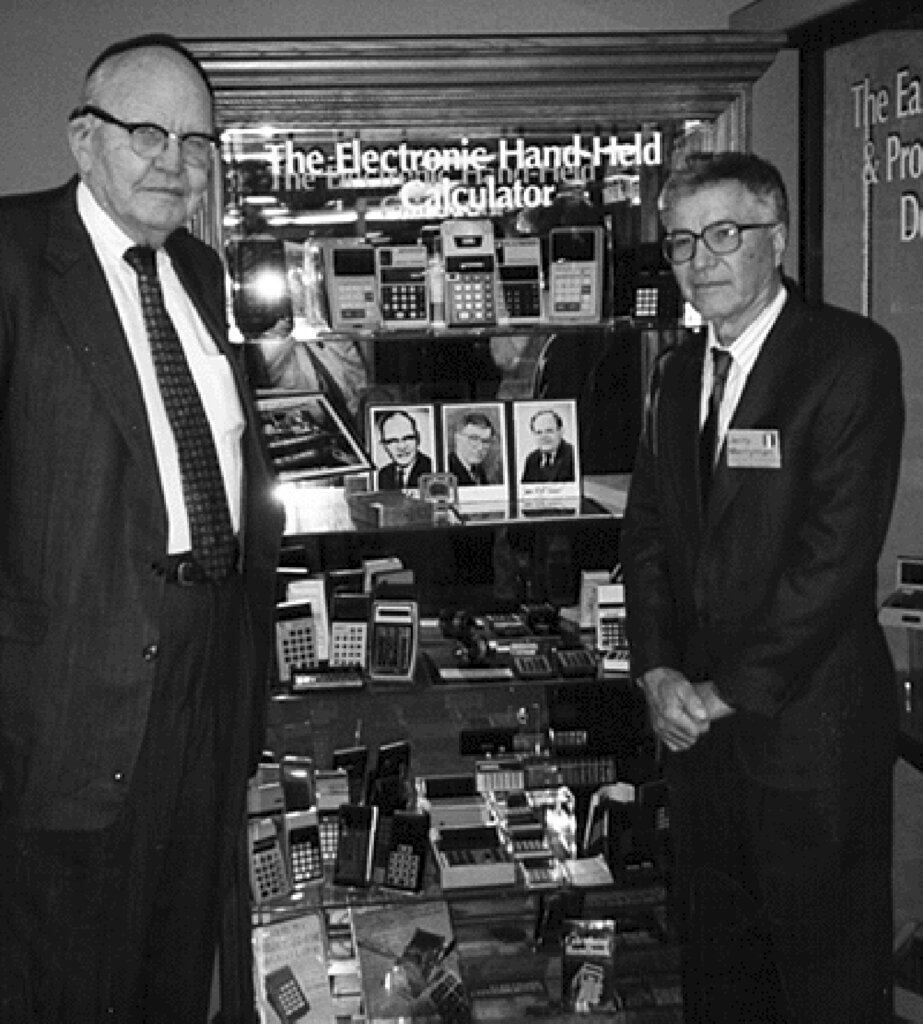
758 507
139 535
400 438
473 438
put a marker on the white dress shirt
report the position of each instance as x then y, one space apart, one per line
744 350
210 370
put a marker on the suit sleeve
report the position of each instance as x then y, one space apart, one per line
652 626
827 580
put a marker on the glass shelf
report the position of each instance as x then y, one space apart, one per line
312 509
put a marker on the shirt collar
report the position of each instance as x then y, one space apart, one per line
746 346
106 234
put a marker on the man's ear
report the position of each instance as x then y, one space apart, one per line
80 137
779 242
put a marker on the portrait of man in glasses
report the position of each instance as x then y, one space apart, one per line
399 436
474 455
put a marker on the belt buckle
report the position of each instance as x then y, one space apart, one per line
188 573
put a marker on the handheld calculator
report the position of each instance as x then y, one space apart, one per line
393 640
519 265
470 273
296 640
576 274
304 847
285 995
268 874
349 266
403 290
611 635
407 845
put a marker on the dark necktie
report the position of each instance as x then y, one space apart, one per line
213 544
708 442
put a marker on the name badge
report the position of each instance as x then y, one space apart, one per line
753 449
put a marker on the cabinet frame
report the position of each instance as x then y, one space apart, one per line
479 84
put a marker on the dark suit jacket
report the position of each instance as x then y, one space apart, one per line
561 468
773 594
464 477
387 475
83 520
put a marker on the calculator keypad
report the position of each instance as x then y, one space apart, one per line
470 299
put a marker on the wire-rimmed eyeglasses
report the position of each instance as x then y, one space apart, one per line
721 238
149 140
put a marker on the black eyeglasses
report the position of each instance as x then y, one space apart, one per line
403 439
150 140
721 238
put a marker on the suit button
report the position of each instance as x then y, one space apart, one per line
118 777
150 652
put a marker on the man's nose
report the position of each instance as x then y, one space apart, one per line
171 156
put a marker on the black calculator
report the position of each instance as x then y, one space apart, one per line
285 995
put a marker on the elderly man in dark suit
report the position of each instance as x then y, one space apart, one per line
138 542
750 558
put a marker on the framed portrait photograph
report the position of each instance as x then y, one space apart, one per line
547 452
402 445
475 449
306 438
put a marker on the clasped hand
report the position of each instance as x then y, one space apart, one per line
681 712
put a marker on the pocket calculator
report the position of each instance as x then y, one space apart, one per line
519 265
611 635
329 827
285 995
470 273
402 285
350 278
393 640
304 846
576 274
268 875
407 845
348 643
296 641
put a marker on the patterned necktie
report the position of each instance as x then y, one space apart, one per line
213 543
708 442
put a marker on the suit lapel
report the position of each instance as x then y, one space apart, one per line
758 404
78 285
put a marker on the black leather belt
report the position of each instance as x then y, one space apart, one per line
185 571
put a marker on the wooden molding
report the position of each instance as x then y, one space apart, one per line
485 85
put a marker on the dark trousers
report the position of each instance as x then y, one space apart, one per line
120 925
783 897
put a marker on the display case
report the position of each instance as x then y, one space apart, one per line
444 268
